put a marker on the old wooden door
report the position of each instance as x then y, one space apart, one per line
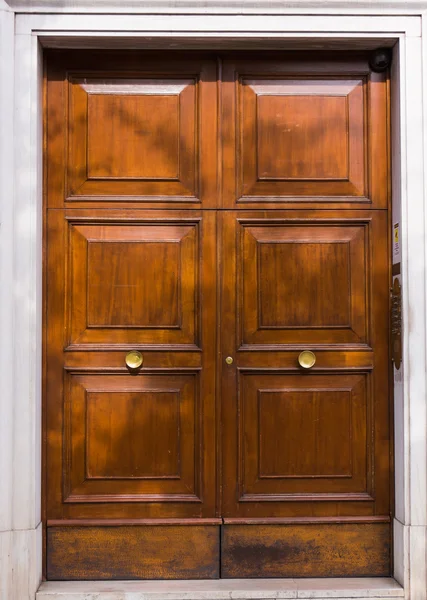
212 217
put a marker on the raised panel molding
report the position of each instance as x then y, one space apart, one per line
305 438
303 282
306 131
133 137
302 138
157 415
133 283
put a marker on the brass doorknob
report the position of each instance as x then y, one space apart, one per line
229 360
134 359
307 359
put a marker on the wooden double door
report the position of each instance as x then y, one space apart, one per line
214 216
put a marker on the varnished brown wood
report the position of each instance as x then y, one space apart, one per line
303 520
303 282
132 128
296 442
134 444
304 436
132 137
132 475
344 550
160 552
109 301
131 522
310 130
132 438
278 165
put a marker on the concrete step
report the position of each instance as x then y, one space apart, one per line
223 589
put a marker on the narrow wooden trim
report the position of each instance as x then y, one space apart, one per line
125 522
312 497
306 520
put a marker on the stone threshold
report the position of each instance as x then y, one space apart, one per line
223 589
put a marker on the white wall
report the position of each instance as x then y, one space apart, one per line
20 352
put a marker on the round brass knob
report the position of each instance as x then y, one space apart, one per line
134 359
229 360
307 359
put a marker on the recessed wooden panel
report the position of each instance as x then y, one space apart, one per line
133 137
120 280
316 550
302 138
159 552
307 130
304 282
306 417
131 438
123 423
133 283
304 434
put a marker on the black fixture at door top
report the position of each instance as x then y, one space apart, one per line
380 60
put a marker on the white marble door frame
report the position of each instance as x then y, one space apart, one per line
24 29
